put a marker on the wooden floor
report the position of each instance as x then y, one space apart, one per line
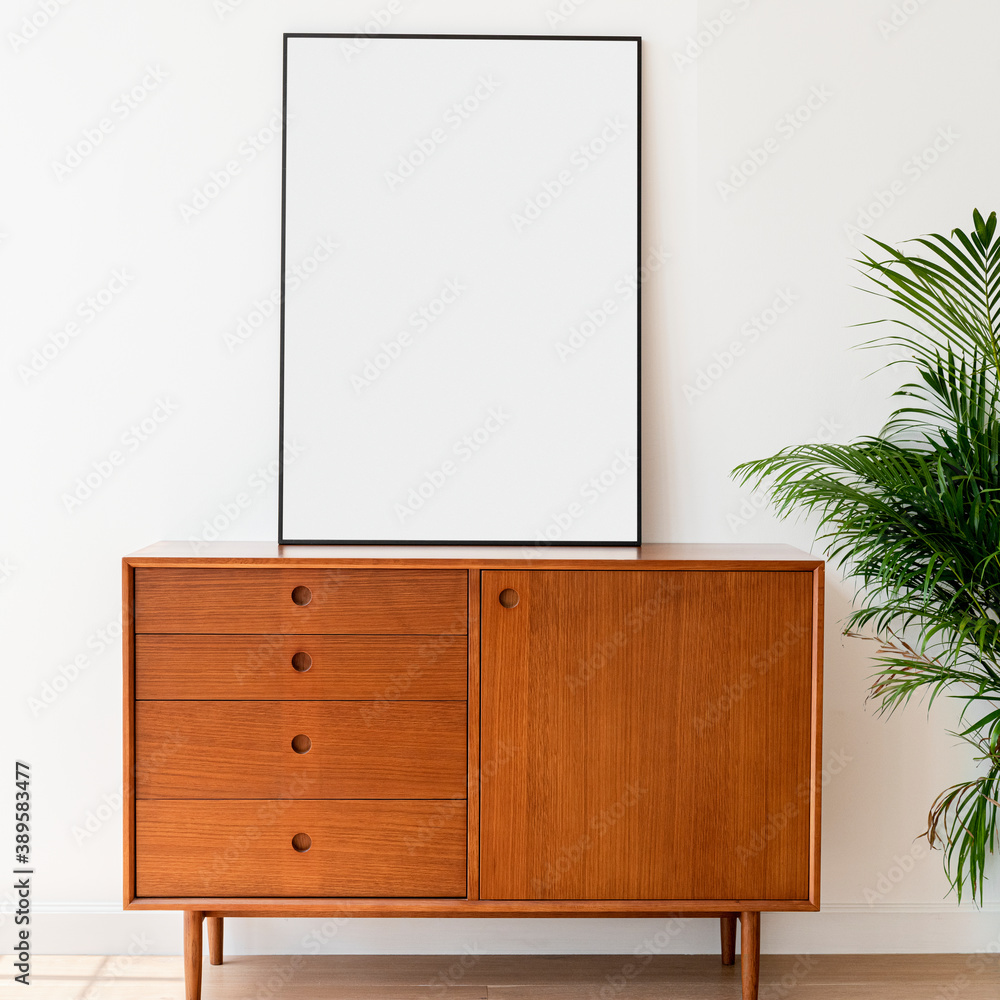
492 977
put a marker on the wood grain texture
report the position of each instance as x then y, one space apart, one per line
128 737
641 705
737 703
727 928
215 926
816 768
517 977
750 954
344 601
784 672
259 667
193 921
301 906
652 556
474 775
243 749
243 848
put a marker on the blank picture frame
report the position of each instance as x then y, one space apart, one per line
461 293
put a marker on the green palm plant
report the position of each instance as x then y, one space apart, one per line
913 514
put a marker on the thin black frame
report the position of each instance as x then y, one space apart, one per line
637 39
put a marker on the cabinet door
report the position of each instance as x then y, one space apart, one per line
646 735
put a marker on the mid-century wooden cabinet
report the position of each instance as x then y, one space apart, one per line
472 732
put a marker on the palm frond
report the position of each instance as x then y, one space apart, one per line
963 821
913 512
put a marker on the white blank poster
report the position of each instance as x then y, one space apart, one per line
460 330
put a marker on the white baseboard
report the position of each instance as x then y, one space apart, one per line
103 929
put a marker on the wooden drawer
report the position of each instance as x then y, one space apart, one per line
338 601
244 749
244 848
308 667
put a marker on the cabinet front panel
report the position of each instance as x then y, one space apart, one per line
647 735
280 749
300 848
307 667
302 601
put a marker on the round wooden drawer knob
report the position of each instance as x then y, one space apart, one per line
302 596
302 661
301 743
509 598
302 842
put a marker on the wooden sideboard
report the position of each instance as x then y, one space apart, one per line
386 731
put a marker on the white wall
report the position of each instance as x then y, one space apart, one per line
881 98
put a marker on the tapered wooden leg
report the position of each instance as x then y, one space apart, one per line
750 954
193 920
728 939
214 940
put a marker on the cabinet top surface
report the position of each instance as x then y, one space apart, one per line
671 556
